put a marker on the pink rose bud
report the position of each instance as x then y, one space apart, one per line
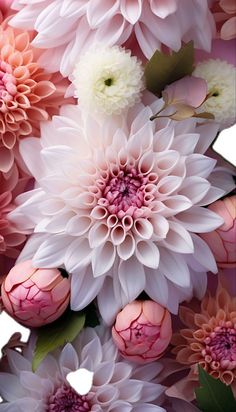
142 331
189 90
35 297
222 241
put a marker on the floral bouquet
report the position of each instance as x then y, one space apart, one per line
117 219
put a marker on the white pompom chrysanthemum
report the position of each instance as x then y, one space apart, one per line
108 80
221 78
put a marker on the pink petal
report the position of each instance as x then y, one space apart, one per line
189 90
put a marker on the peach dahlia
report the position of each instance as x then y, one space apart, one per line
28 94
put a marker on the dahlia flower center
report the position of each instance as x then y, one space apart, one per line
221 345
124 192
7 84
65 399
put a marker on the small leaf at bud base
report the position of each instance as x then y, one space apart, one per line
51 337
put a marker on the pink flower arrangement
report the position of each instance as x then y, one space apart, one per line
35 297
142 331
117 219
222 240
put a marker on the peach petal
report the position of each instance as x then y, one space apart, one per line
128 314
18 274
153 312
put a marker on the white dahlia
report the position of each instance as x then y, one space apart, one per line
67 27
108 80
118 386
118 203
221 81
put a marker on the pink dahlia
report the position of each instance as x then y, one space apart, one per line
28 94
208 338
67 28
119 202
12 183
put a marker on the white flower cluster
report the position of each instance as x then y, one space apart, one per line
108 80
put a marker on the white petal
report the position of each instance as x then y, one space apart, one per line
160 225
178 239
103 259
173 266
30 151
200 220
203 254
162 8
78 255
84 288
147 407
131 390
31 246
208 133
10 387
185 143
78 225
213 194
131 10
143 228
148 254
157 286
199 165
222 178
126 249
132 278
168 185
59 222
163 139
97 13
108 305
118 235
98 234
68 359
194 188
199 282
51 252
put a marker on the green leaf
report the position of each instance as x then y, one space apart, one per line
163 69
56 334
213 395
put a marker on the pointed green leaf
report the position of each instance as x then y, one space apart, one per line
164 69
57 334
213 395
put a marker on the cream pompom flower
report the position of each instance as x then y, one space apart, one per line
118 203
221 80
118 386
108 80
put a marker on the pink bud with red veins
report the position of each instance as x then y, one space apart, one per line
35 297
222 241
142 331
